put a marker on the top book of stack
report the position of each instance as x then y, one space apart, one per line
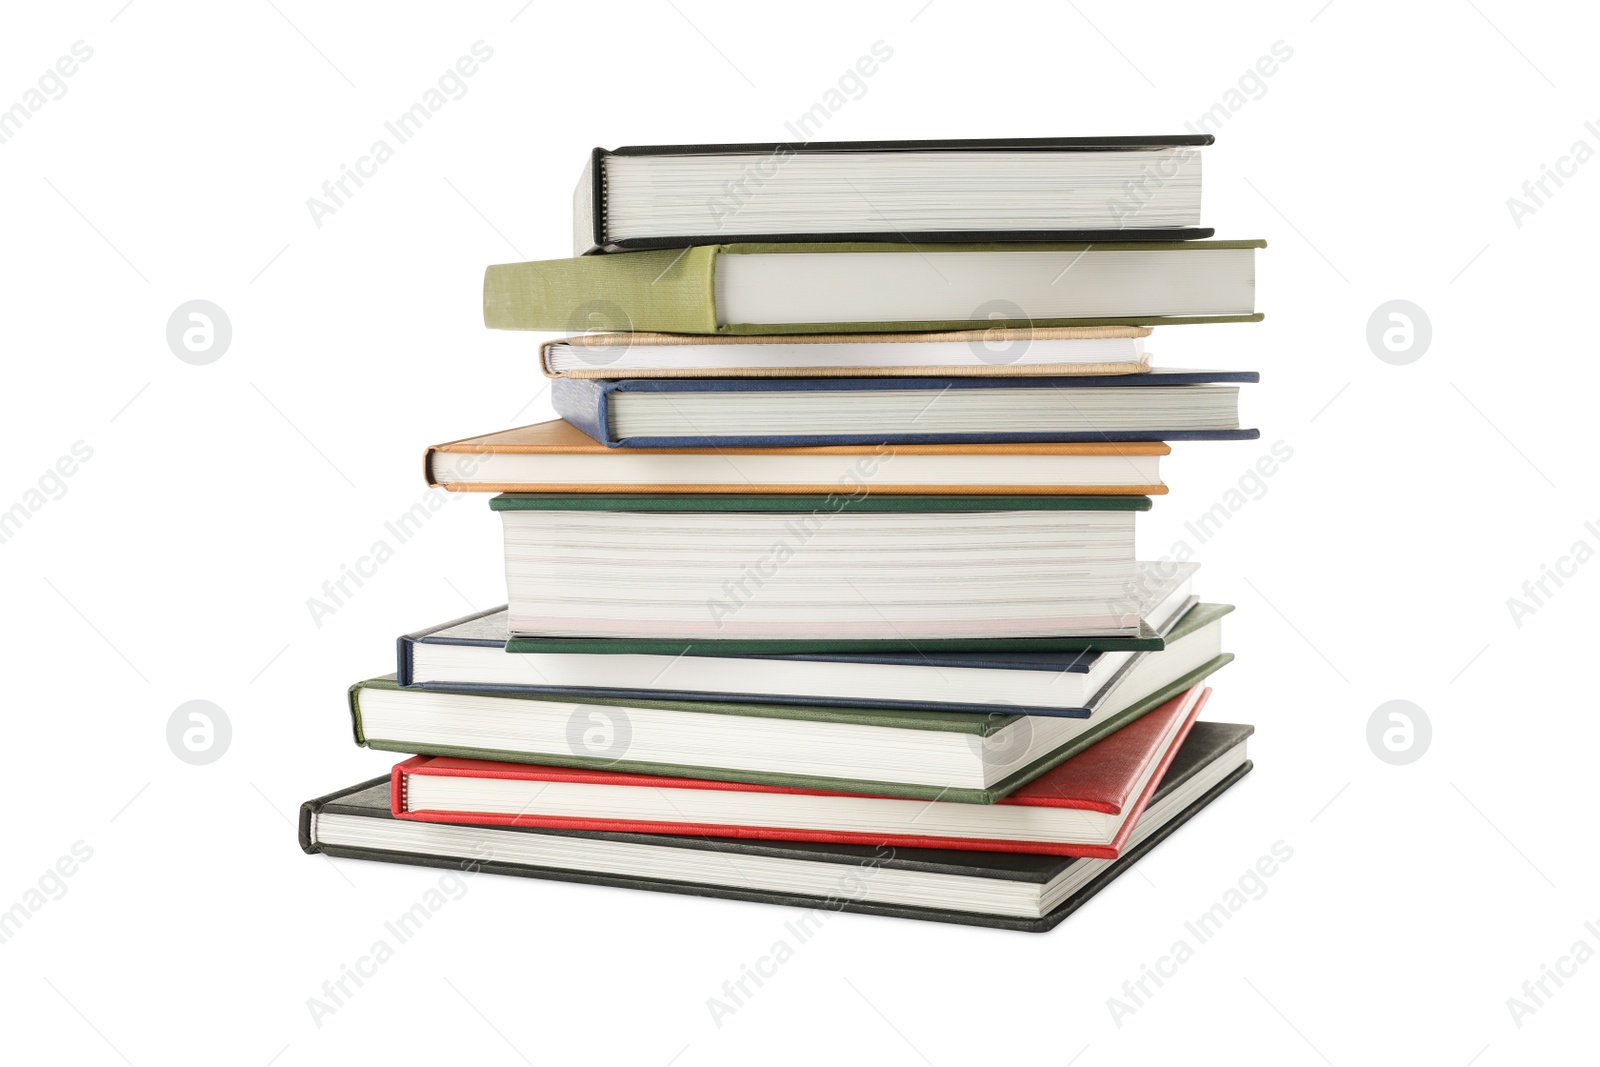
1058 189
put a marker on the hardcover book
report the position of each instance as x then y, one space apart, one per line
862 566
1164 404
877 288
1016 189
1085 806
961 757
1006 890
557 457
996 352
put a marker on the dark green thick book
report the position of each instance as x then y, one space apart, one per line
868 287
951 756
790 573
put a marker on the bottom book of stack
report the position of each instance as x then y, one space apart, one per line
1026 862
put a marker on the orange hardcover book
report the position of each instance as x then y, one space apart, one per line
556 457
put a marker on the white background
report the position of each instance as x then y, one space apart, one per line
1377 161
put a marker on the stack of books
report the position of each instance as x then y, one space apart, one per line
823 589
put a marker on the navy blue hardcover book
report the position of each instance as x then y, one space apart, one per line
1181 405
468 655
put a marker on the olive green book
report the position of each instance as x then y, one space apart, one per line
876 287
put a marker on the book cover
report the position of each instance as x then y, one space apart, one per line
560 438
1148 639
807 503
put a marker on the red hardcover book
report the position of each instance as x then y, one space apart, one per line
1087 806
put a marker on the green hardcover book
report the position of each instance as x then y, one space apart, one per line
839 571
956 756
867 287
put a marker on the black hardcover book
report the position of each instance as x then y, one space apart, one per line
1024 892
940 191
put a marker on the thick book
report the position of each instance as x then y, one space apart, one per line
998 352
468 654
1165 404
958 756
1086 806
1006 890
877 288
557 457
859 566
1012 189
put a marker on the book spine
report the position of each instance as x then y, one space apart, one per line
862 440
306 825
544 358
307 828
582 402
354 700
665 292
588 208
402 655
